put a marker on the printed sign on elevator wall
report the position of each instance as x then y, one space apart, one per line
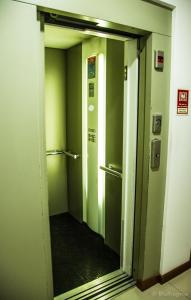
182 102
91 67
92 135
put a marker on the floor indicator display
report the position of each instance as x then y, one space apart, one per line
91 67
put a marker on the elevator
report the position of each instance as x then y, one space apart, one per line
84 116
24 173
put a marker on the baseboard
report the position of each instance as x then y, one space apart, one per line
175 272
147 283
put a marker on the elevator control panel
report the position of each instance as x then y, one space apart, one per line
159 60
155 154
157 124
91 89
92 95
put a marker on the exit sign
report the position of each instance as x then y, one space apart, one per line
182 102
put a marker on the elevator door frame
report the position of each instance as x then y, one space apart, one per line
129 150
129 153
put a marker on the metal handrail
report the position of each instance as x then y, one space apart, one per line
70 154
111 171
67 153
53 152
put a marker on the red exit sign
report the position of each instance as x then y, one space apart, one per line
182 102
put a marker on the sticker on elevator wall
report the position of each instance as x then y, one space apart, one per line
182 102
91 67
92 135
91 107
91 89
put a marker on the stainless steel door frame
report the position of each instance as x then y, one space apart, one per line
130 119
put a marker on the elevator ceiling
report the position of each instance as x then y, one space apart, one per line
63 38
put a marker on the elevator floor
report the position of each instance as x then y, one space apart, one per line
78 254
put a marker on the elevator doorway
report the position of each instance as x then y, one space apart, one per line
85 89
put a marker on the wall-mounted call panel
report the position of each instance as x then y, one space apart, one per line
155 154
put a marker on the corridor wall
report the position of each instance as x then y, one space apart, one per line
176 245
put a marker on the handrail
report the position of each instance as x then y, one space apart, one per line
111 171
70 154
67 153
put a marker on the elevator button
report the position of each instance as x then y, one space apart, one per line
91 89
91 107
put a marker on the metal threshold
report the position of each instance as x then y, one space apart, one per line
105 287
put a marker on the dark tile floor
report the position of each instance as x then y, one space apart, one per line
78 254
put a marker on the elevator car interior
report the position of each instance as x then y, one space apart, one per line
84 94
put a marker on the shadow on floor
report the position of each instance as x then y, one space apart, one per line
78 254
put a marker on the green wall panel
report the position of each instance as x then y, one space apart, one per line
55 116
74 129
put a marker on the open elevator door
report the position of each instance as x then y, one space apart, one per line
74 130
114 143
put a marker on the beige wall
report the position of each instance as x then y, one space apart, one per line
55 112
25 270
133 13
176 247
157 101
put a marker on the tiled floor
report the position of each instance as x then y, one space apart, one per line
178 288
78 254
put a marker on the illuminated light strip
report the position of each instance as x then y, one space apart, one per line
84 141
101 140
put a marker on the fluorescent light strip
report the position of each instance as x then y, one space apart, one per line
101 140
84 140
